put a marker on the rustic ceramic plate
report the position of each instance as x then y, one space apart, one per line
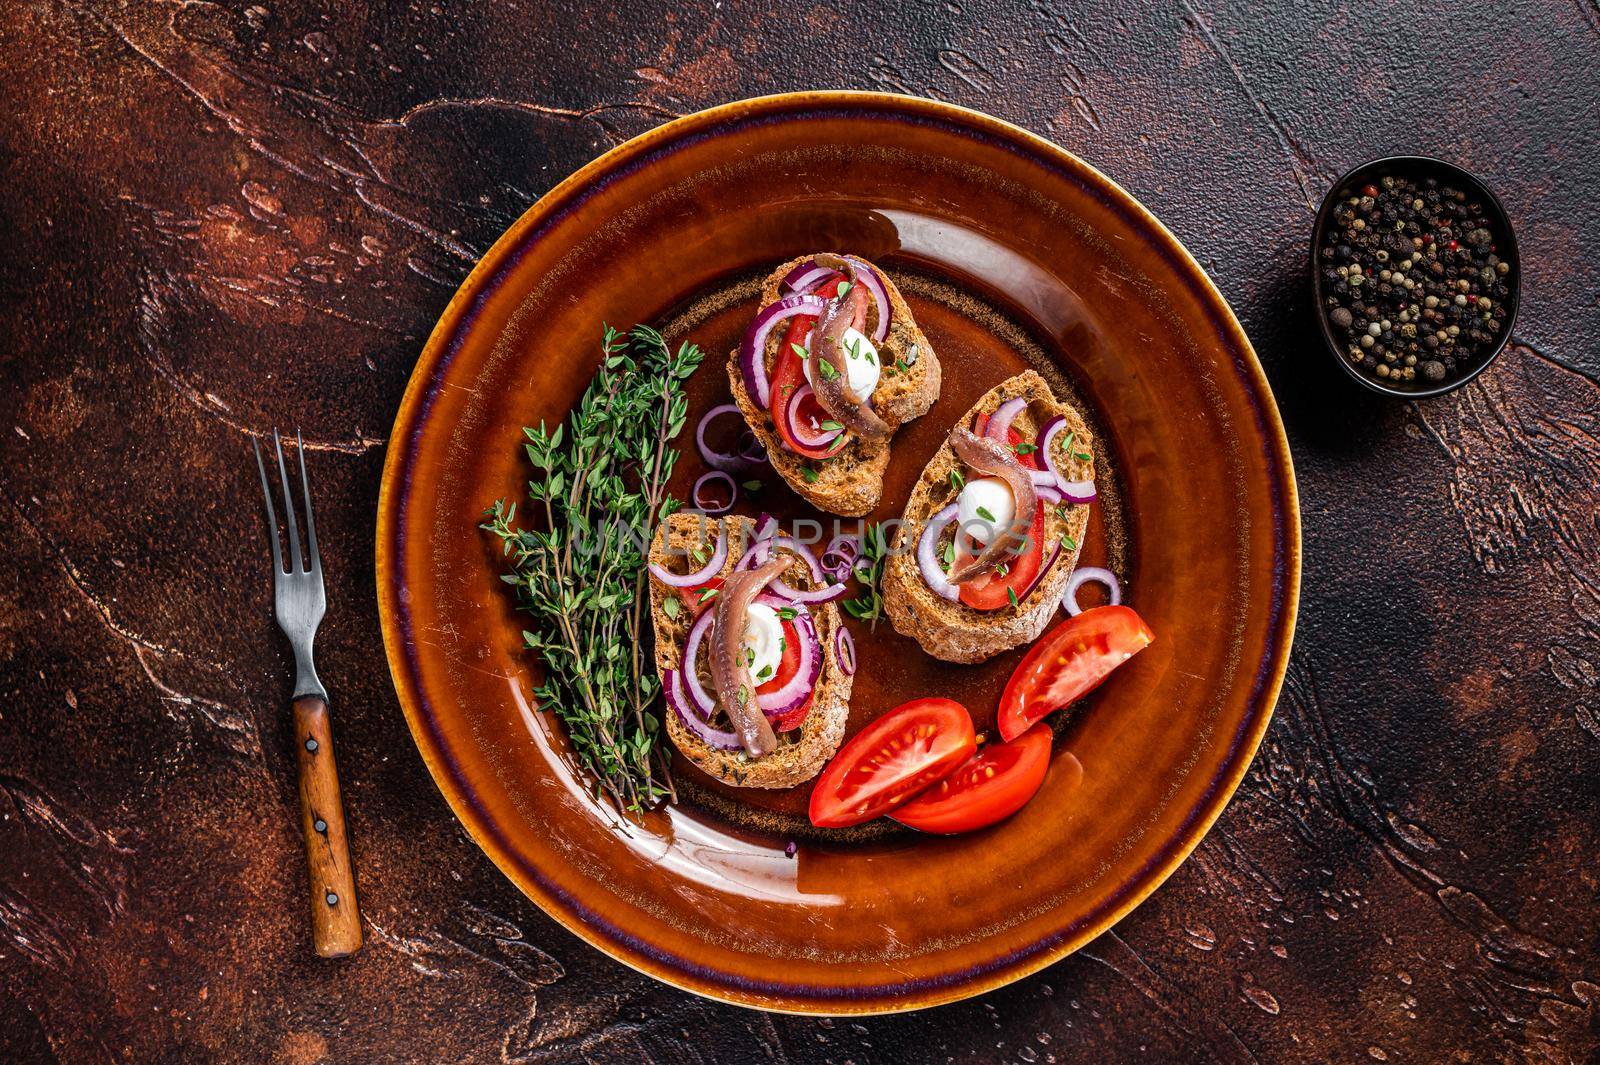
1012 253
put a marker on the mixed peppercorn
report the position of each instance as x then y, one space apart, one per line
1413 282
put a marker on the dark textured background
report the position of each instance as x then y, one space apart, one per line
221 216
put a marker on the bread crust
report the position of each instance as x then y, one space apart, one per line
823 728
955 632
851 482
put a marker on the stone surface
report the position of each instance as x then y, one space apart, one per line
220 217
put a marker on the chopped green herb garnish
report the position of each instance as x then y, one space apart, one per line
949 554
707 593
986 514
844 286
828 370
809 473
1002 569
788 613
751 485
1082 456
766 671
798 350
829 425
670 606
957 481
749 657
1026 448
1068 542
1011 594
854 349
698 553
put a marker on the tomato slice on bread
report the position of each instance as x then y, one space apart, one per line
788 666
892 759
993 590
1029 458
990 786
788 374
1068 662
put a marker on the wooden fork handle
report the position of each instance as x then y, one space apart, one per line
335 921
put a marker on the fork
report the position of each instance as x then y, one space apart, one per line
299 603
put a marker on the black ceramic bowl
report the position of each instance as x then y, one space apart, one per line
1418 168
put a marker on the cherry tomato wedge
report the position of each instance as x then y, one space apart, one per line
701 596
891 760
1069 662
788 374
991 591
988 787
1029 460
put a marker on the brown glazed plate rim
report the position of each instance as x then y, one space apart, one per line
394 596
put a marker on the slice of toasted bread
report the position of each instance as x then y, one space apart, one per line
801 752
850 482
956 632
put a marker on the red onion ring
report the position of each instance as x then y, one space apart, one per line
722 741
844 549
1000 421
735 463
1075 491
844 649
703 701
805 277
753 349
1082 576
800 278
699 576
928 555
1044 570
751 449
827 593
705 479
823 437
868 275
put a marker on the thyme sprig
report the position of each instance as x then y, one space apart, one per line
598 492
867 605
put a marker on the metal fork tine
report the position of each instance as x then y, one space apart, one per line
305 490
272 514
288 507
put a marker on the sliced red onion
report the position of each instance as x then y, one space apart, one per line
703 701
722 741
808 275
705 479
734 463
805 277
843 551
751 449
1044 571
844 649
1082 576
765 527
1074 491
1000 421
868 275
826 594
753 349
928 555
803 551
699 576
820 438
